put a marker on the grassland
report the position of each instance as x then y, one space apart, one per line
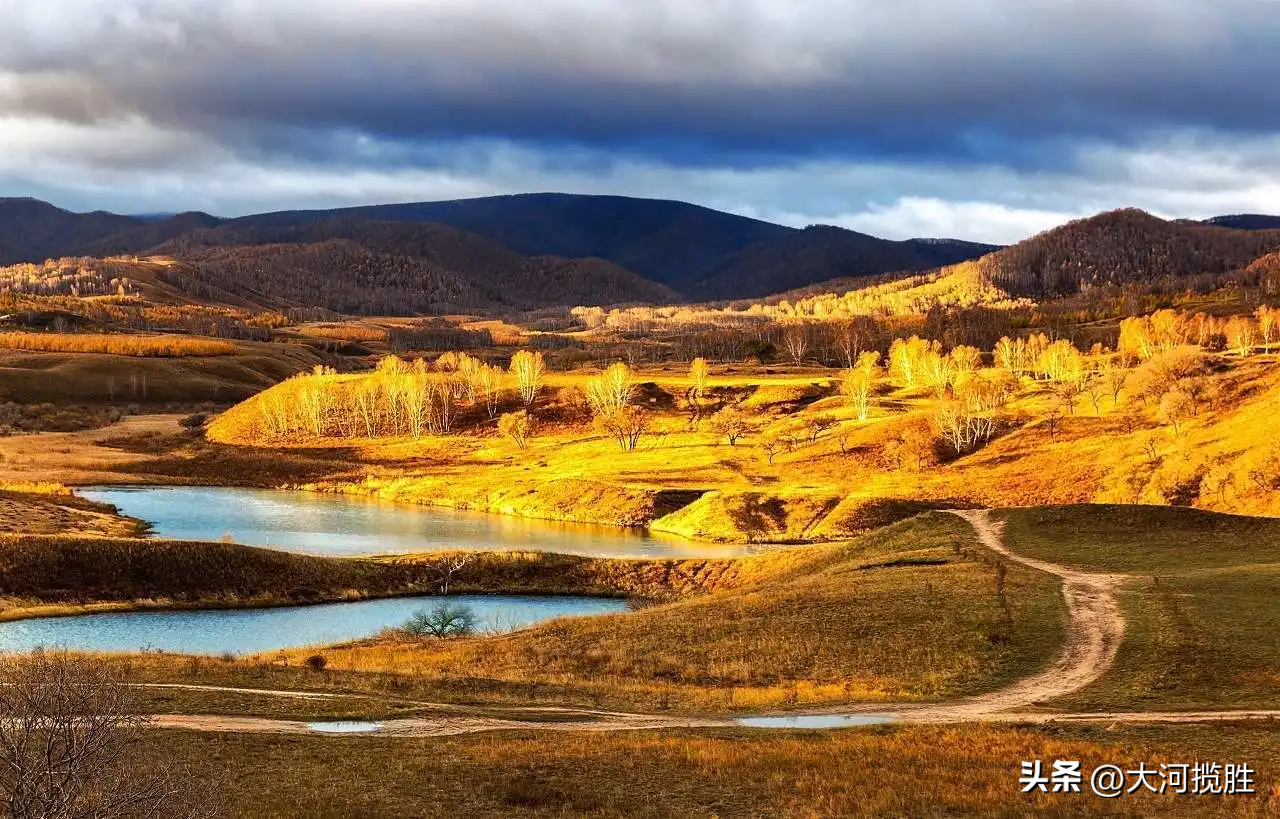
1196 640
832 624
1141 539
43 512
1203 607
961 771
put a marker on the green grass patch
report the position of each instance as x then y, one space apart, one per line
1197 640
1123 538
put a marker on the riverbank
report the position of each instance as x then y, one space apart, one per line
66 575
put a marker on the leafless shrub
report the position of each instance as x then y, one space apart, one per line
71 745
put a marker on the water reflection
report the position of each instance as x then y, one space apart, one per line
353 525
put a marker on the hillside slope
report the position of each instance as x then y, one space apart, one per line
1121 247
821 253
32 231
365 265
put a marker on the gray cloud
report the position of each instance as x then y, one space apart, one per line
995 113
683 81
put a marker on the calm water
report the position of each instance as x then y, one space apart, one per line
249 631
351 525
345 727
817 721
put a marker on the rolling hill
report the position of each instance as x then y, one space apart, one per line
1121 247
32 231
550 249
644 249
365 265
1246 221
668 242
820 253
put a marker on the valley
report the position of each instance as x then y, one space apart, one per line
542 516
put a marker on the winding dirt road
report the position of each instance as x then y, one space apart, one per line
1095 629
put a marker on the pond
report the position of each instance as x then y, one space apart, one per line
250 631
349 525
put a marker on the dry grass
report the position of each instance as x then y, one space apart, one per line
35 487
1144 539
829 624
1195 640
85 378
957 771
131 345
47 510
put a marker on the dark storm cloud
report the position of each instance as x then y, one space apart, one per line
1017 82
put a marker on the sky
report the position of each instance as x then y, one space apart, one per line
983 119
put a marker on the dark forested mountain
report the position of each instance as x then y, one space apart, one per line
820 253
1246 221
552 249
670 242
32 231
147 234
1121 247
359 266
644 249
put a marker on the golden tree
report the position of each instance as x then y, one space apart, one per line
528 368
611 390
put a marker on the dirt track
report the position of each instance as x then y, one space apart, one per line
1095 630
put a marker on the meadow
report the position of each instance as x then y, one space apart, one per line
923 771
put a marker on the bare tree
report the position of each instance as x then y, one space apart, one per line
815 425
856 385
70 745
700 374
625 426
611 390
489 385
795 337
446 567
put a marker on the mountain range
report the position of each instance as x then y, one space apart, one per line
519 251
548 249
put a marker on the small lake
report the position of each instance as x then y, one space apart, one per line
250 631
348 525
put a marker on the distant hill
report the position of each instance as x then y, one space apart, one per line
436 267
1121 247
674 243
147 234
820 253
549 249
644 249
1246 221
32 231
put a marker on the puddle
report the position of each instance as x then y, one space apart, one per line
818 721
347 727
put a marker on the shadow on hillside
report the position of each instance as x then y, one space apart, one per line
217 464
